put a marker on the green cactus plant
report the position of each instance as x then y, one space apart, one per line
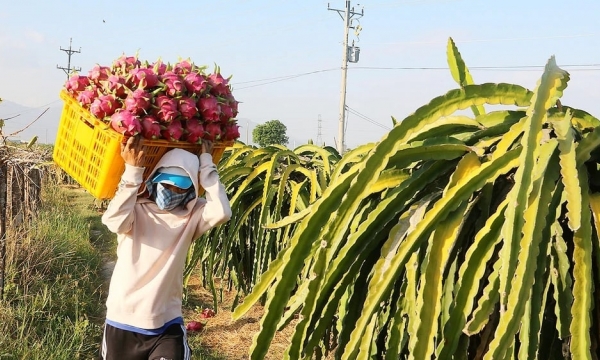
452 237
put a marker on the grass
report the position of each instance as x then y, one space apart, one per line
53 305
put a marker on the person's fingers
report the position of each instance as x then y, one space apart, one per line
140 154
137 143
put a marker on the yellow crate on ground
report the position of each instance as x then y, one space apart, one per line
90 151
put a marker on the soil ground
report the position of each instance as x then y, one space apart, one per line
224 337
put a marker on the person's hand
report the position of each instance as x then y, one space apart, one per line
132 152
207 146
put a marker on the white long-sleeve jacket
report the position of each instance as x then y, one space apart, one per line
147 283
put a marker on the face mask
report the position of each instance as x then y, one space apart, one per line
166 199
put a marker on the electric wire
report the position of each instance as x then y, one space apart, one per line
27 111
366 118
266 81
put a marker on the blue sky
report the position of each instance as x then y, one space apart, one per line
268 39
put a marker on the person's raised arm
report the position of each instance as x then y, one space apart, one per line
217 209
119 215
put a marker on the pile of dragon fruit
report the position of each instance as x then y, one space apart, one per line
175 102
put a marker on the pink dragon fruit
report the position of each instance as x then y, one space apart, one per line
86 97
218 84
226 113
124 64
151 128
173 131
143 78
115 84
104 105
194 131
195 83
173 102
138 101
213 131
231 131
160 67
77 83
187 107
174 85
166 108
232 103
183 67
209 108
99 73
126 123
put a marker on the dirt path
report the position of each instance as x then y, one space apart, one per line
226 337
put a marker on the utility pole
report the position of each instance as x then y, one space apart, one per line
69 52
319 133
347 14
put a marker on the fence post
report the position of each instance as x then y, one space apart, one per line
3 192
15 209
32 192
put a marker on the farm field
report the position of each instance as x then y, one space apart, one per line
453 236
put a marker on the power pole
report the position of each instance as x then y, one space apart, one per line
319 133
69 52
347 14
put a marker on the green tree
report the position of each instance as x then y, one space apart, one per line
269 133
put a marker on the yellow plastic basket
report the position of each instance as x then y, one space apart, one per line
90 151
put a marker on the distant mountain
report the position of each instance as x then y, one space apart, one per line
21 124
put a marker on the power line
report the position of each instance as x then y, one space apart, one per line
31 109
436 42
266 81
366 118
283 78
513 67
